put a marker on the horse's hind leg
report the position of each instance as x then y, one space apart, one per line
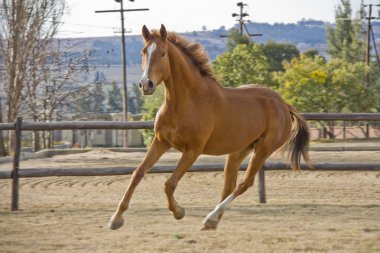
231 170
263 150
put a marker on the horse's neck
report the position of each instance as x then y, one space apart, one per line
184 81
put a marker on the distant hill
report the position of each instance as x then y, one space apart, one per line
105 52
310 32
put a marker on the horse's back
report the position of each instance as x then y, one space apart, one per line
254 99
258 90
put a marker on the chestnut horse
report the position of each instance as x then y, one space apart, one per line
199 116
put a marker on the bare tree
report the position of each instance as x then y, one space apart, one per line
27 27
52 85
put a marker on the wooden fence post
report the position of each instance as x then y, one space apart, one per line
344 129
262 196
16 162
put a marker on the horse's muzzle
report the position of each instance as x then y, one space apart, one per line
148 87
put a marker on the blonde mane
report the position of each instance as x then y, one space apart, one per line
194 51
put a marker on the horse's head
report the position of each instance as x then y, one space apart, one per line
155 60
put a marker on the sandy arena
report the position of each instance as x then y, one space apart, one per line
307 211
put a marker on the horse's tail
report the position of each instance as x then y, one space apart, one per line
298 143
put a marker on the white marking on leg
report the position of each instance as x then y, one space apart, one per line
220 208
150 51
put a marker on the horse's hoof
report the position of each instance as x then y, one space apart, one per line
180 213
210 224
116 222
207 229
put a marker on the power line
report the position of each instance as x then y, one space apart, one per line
122 10
86 25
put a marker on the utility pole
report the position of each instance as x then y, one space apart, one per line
370 35
241 21
241 16
124 60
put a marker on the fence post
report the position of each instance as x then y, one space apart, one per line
344 129
16 162
262 196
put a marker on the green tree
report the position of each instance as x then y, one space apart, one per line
355 94
83 103
151 104
244 64
135 100
303 84
277 53
98 98
90 101
375 80
235 38
314 85
311 53
346 40
115 100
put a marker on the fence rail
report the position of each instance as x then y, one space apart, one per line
20 126
74 125
342 116
126 170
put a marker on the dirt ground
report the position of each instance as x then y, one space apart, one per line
307 211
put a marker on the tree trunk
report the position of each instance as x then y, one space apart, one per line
3 151
11 141
48 139
36 141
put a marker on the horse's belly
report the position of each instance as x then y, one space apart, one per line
227 142
222 149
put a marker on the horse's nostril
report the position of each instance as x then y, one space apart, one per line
140 85
150 84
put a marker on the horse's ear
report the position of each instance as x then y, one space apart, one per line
146 34
163 32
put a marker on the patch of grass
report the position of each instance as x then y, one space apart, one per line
179 236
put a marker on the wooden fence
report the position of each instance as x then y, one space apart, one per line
20 126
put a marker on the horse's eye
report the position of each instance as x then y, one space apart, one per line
162 54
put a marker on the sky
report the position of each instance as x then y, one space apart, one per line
186 16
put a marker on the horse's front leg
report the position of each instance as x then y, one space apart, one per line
187 159
156 150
